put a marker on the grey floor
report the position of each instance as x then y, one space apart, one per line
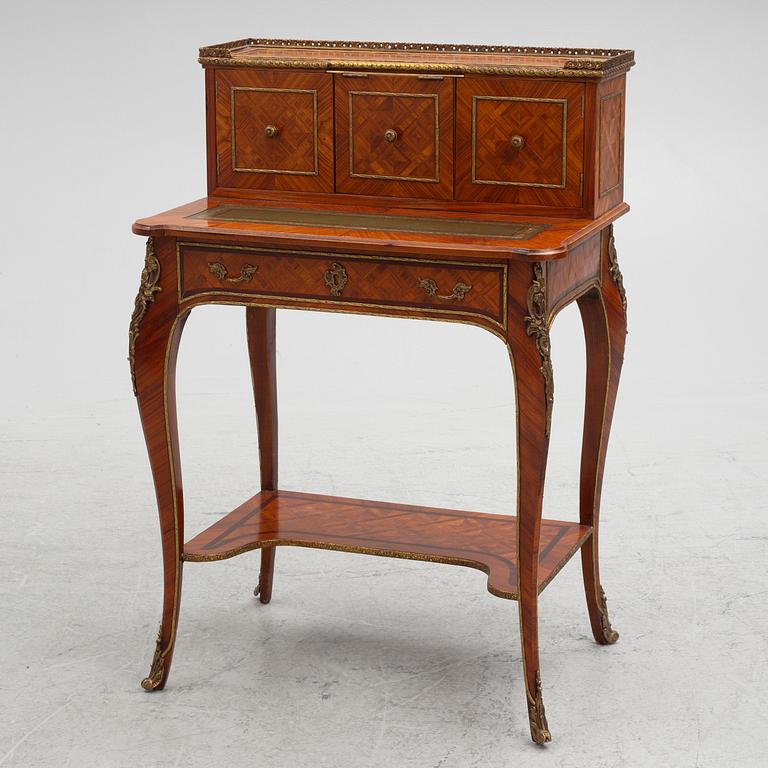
367 662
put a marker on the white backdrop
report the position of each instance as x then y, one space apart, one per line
102 122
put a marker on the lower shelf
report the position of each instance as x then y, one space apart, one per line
473 539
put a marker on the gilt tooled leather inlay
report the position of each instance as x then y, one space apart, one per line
387 223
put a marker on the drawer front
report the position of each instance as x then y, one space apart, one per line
274 130
520 141
312 278
394 136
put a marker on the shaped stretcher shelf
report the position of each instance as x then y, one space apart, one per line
483 541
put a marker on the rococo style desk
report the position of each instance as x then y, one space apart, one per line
473 184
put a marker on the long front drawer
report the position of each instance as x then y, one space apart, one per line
333 279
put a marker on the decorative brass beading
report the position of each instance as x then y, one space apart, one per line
538 327
460 290
600 62
610 635
157 669
614 271
148 287
247 271
224 49
336 278
536 715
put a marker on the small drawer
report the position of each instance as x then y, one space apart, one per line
311 278
522 141
274 130
394 135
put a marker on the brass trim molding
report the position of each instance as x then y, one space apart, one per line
435 97
225 49
148 287
599 62
316 162
537 326
460 290
397 67
157 668
563 177
247 271
614 271
336 278
536 715
361 550
610 635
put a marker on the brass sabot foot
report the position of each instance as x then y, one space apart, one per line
537 717
157 670
610 635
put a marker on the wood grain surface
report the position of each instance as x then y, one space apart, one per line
547 117
553 242
418 161
467 288
485 199
298 106
482 541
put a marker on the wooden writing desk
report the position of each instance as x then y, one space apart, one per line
472 184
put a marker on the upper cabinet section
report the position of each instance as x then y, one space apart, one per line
274 130
394 135
496 128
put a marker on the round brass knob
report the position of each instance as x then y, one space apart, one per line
390 135
270 131
517 142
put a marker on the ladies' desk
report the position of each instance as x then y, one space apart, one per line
468 184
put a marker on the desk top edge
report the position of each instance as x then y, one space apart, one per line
424 57
553 242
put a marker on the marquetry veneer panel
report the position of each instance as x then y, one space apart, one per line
610 144
462 289
520 141
274 130
394 136
477 540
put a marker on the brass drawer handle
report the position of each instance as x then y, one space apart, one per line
460 290
517 142
390 135
270 131
336 278
217 269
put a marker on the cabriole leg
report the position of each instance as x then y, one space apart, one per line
260 326
528 338
154 337
603 313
